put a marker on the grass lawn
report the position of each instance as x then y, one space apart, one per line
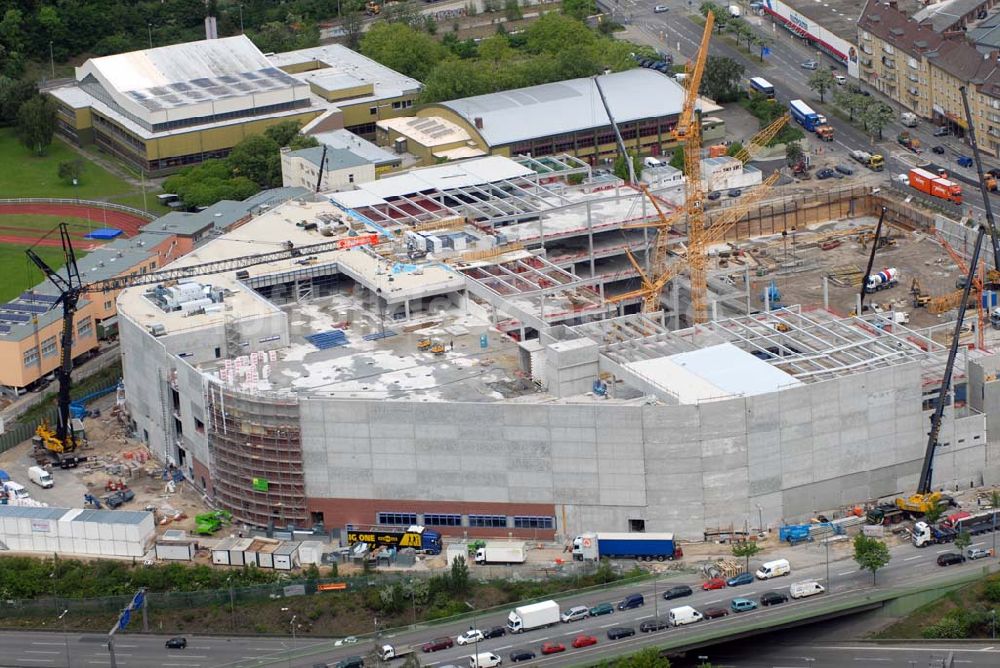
26 175
18 273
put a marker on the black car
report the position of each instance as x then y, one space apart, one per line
826 173
521 655
181 643
351 662
680 591
735 192
495 632
619 632
715 194
949 558
713 613
772 598
654 625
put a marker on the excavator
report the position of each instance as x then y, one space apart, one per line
926 497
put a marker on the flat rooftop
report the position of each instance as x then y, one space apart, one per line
841 16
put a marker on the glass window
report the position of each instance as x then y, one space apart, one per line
529 522
85 327
440 520
397 519
31 356
489 521
49 347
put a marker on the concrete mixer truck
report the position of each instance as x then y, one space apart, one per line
881 280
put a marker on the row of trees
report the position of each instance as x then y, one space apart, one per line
737 27
554 48
253 165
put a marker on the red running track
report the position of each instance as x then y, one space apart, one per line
128 223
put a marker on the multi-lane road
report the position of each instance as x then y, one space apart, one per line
674 31
909 567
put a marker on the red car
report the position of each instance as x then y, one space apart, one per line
438 643
553 648
584 641
714 583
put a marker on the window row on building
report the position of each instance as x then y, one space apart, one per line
470 520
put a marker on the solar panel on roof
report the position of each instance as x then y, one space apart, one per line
226 78
203 83
158 90
39 297
181 86
245 87
249 75
14 317
24 308
4 329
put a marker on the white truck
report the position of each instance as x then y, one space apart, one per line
501 553
389 652
40 477
909 119
535 616
735 12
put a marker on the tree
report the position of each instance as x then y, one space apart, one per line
288 35
13 93
352 26
734 149
459 579
745 548
259 159
287 134
677 159
71 170
36 123
645 658
871 554
821 81
411 661
876 116
496 51
850 100
934 513
721 80
793 153
512 10
402 48
621 167
579 9
963 540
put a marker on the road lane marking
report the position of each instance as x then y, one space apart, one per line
866 658
607 626
912 558
643 617
41 651
718 600
55 644
846 572
503 647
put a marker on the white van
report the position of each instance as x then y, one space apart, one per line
40 477
15 490
773 569
804 589
651 162
684 615
484 660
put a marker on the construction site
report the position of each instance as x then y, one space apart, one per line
532 348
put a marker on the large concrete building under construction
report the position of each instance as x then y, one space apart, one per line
451 361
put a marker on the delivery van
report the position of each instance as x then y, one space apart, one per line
15 490
774 569
804 589
484 660
40 477
684 615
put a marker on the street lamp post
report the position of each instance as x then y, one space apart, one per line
241 18
829 585
52 60
62 618
149 30
232 603
760 518
474 627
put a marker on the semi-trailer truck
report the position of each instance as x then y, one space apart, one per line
417 537
805 116
647 546
925 534
872 161
501 553
978 523
535 616
935 186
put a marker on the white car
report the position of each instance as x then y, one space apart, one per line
469 637
903 178
349 640
659 9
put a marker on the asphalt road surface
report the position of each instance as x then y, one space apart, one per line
909 566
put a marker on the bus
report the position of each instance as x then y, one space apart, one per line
762 86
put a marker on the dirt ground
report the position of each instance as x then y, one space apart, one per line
112 457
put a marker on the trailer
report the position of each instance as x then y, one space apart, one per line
978 523
640 546
417 537
935 185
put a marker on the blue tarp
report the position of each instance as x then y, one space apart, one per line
104 234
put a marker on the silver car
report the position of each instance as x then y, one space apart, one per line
810 65
972 553
576 613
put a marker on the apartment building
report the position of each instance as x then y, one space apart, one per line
922 70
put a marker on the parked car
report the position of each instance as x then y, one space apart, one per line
715 194
825 173
974 553
584 641
651 625
938 149
659 9
735 192
521 655
741 579
846 170
941 131
632 601
576 613
177 643
964 161
438 644
742 605
553 648
949 558
840 79
352 662
495 632
602 609
680 591
714 613
772 598
810 65
619 632
713 583
470 637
